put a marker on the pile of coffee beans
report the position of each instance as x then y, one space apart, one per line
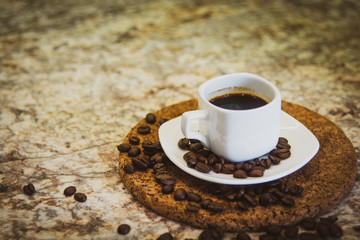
203 160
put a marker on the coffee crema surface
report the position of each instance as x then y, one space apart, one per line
238 101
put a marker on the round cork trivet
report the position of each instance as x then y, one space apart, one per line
325 179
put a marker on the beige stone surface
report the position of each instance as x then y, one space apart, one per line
76 76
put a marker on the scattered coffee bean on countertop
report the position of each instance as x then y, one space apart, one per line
29 189
69 191
165 236
123 229
80 197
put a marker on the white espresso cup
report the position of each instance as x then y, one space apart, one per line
236 135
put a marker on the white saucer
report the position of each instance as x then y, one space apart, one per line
304 146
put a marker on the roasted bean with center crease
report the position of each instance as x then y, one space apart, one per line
202 167
228 168
215 207
193 207
134 151
144 129
134 140
240 174
129 168
193 197
183 143
124 147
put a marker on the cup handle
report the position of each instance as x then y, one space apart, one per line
186 120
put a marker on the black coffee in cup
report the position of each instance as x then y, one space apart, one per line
238 101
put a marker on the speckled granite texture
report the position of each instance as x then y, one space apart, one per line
75 76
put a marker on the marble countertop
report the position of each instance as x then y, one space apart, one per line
76 76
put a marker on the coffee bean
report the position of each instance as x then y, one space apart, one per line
163 177
308 236
215 207
124 147
250 200
282 140
189 156
144 129
202 167
288 201
291 232
265 163
80 197
255 173
228 168
193 197
141 163
274 159
134 140
134 151
240 174
212 158
69 191
216 167
220 160
194 147
192 207
212 233
29 189
202 159
276 193
123 229
129 168
246 167
167 189
165 236
284 155
183 143
242 236
158 158
150 118
205 203
309 223
266 199
180 194
242 206
147 144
